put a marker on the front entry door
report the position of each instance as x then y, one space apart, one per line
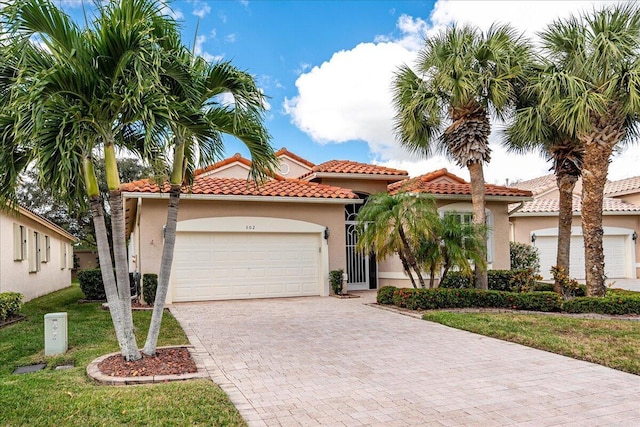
359 265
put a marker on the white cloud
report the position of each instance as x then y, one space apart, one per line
222 17
198 49
173 13
230 38
348 97
201 9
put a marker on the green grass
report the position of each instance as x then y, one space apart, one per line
612 343
69 397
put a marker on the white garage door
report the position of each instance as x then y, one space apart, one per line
219 266
615 259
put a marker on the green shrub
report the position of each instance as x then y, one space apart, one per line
10 304
543 287
456 280
524 257
385 295
610 304
91 284
429 299
149 287
500 280
335 278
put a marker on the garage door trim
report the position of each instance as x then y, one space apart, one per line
261 225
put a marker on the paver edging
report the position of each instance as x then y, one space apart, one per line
95 374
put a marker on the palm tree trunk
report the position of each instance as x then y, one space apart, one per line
594 178
566 184
165 271
432 273
476 174
122 274
407 268
411 259
120 253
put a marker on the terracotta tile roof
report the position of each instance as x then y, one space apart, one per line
622 186
285 152
284 187
433 183
552 206
537 185
349 167
230 160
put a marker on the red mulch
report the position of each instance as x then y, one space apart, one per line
167 361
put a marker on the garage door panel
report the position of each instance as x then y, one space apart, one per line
615 257
213 266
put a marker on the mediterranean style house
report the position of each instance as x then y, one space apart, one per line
36 256
536 222
235 240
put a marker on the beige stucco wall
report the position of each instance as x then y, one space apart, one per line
234 170
634 198
524 226
358 185
153 217
15 276
87 259
295 168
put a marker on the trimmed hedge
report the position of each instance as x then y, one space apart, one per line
429 299
335 278
149 287
91 284
385 295
10 304
610 304
499 280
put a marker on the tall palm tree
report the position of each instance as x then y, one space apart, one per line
241 119
396 223
593 92
86 89
532 130
462 77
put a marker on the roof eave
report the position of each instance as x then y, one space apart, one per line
344 175
575 213
243 198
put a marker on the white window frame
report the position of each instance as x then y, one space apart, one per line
35 251
19 242
466 209
47 249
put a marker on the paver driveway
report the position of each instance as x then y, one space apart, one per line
325 361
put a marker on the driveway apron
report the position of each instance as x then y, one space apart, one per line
334 362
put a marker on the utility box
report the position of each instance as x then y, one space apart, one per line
55 334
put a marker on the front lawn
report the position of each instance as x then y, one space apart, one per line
68 397
612 343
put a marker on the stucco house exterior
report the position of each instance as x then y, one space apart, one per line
235 240
536 222
36 256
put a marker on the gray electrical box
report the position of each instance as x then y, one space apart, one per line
55 334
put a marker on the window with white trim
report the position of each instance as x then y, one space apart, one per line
35 251
19 242
465 215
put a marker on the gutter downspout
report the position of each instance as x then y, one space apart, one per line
516 209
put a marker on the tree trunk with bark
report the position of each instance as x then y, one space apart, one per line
165 270
598 147
566 184
411 259
476 174
407 268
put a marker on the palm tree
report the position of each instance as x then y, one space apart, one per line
532 130
396 223
593 92
461 78
242 119
454 245
89 89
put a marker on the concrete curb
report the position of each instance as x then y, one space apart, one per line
94 373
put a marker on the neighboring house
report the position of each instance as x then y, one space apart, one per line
36 256
536 223
235 240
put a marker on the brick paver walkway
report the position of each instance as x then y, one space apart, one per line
324 361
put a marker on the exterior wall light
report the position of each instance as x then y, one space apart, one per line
533 238
326 233
634 236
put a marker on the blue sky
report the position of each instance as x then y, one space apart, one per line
327 66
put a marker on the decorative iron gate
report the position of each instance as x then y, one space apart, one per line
359 265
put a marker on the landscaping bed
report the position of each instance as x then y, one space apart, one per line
167 361
69 397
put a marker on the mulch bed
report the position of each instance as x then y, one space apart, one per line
167 361
11 320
